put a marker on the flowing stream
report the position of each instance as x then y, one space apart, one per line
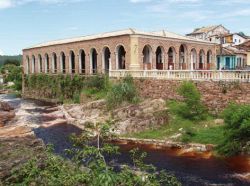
190 170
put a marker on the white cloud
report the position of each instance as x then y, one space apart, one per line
5 4
12 3
140 1
1 53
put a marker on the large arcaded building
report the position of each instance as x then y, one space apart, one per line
127 49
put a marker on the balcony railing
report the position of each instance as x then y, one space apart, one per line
199 75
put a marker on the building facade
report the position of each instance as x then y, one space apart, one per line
210 33
231 58
233 39
120 50
246 46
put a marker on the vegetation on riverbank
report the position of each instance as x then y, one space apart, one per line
189 119
70 89
236 131
12 73
89 166
191 122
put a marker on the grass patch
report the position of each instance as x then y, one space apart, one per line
94 94
213 135
204 132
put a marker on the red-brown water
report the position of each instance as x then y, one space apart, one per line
191 169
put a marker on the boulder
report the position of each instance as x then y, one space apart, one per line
5 107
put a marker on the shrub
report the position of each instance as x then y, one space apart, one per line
191 106
124 91
89 165
13 73
55 87
236 130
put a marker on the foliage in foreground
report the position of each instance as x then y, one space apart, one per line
125 91
236 130
90 166
191 107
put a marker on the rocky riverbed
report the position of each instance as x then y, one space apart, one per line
37 123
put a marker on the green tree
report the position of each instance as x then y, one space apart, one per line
12 73
191 107
237 130
125 91
12 62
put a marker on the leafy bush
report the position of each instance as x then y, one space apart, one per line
12 73
236 130
191 106
124 91
55 87
89 165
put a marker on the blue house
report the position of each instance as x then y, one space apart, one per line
231 58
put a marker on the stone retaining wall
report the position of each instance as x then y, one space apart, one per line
215 95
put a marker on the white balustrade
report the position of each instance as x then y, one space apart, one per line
199 75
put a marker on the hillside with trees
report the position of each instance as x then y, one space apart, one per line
17 59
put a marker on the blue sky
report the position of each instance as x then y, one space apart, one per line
27 22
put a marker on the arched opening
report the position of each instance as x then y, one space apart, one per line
63 63
40 63
54 63
33 70
159 58
201 59
121 57
147 57
106 59
27 64
93 60
209 59
182 58
193 59
171 58
82 66
72 64
46 63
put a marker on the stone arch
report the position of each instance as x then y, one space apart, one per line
27 64
82 62
47 63
147 57
54 63
93 60
106 59
33 66
209 59
40 63
120 57
182 57
201 59
159 58
193 60
171 58
63 62
72 62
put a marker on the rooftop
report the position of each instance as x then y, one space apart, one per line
162 34
230 50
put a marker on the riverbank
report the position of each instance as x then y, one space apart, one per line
53 124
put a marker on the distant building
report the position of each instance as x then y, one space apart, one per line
231 58
210 33
246 46
121 50
234 39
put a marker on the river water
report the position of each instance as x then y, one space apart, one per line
190 170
